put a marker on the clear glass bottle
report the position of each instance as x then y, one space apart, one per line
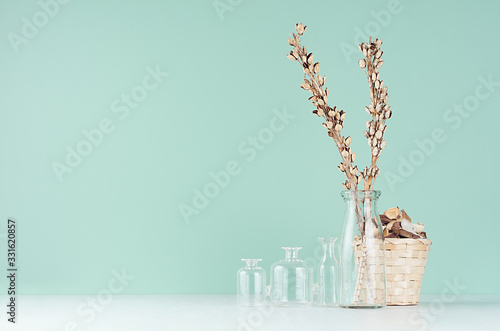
251 284
362 252
327 273
291 280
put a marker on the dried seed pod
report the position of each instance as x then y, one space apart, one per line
419 227
375 151
310 58
390 225
338 127
300 28
291 42
291 57
382 144
329 124
378 42
348 141
362 63
392 213
353 157
378 134
368 110
345 154
320 81
379 64
405 216
316 67
408 226
305 86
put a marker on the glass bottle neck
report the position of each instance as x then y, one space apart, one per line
251 263
328 246
291 253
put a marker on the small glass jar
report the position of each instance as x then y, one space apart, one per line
251 284
291 280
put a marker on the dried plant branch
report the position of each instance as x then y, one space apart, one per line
314 83
378 108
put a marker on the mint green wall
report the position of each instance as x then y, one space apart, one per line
221 80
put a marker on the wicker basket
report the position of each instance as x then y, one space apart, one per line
405 261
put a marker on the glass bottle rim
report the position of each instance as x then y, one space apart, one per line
328 239
362 194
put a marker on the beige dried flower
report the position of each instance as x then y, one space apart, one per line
378 108
300 29
333 118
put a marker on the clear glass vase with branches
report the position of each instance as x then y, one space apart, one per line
360 205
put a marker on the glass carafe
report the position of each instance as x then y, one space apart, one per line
251 284
327 273
291 280
362 252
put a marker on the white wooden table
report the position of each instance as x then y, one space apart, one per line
220 312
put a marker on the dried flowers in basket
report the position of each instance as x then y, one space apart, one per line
406 250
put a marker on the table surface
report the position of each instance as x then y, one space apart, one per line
220 312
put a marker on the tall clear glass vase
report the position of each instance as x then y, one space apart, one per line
362 252
327 273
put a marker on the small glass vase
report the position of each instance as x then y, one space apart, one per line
291 280
362 252
327 274
251 284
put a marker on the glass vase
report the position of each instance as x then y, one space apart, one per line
251 284
327 273
291 280
362 252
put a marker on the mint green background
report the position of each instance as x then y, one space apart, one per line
120 207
